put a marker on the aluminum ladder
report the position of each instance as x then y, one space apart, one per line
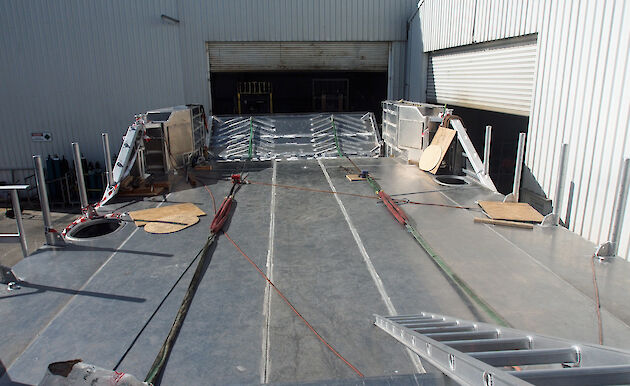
475 353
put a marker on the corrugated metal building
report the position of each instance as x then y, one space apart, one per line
564 64
76 69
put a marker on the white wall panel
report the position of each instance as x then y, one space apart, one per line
453 23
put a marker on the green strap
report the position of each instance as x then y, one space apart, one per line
160 359
498 319
332 120
377 188
251 138
448 271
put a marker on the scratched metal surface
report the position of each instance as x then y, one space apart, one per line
94 301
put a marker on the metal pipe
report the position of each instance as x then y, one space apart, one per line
559 193
78 167
486 151
43 199
15 201
108 158
620 205
518 169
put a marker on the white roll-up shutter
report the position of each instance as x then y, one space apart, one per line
497 77
297 56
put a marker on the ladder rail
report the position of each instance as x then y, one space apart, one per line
473 352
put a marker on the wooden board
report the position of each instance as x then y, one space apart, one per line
142 216
430 158
354 177
515 211
515 224
172 223
443 137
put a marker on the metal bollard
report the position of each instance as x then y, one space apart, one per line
486 151
15 201
553 218
108 159
19 237
52 237
611 247
78 167
518 170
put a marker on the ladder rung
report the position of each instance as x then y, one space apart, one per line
578 376
411 317
527 357
414 325
489 344
441 336
429 330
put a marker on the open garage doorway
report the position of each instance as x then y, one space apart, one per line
505 131
297 92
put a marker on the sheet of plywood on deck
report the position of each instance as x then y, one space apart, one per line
515 211
443 137
172 223
141 217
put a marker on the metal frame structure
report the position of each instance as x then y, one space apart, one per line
481 169
474 353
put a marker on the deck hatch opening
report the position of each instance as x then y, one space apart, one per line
451 180
95 228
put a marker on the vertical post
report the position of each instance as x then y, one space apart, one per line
15 201
620 205
78 167
43 199
553 218
518 170
108 158
486 151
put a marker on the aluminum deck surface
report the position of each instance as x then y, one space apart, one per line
338 259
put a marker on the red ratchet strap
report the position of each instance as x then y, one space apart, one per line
221 215
395 210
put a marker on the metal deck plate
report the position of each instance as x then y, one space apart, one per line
100 294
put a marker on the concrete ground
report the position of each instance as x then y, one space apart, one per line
10 254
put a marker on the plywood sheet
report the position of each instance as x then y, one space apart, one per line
171 223
515 211
431 157
443 137
354 177
142 216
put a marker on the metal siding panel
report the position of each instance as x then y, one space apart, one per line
497 78
83 76
449 23
609 127
591 112
396 69
584 116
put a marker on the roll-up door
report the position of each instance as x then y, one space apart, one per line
297 56
497 77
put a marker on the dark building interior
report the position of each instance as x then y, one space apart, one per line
297 92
